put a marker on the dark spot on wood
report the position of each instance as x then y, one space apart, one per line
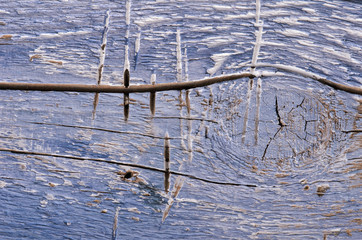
322 189
128 175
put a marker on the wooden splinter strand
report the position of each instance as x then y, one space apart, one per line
115 224
304 73
167 86
126 78
167 162
121 89
153 95
102 57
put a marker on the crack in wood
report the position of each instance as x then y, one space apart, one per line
15 151
280 120
281 124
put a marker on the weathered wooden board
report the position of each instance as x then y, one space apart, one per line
297 140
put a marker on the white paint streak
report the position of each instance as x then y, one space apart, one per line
126 58
257 114
258 40
153 78
245 123
249 15
138 42
179 56
128 22
288 20
219 60
56 35
115 224
128 12
102 55
291 69
2 184
259 33
257 46
340 55
186 66
151 20
216 41
257 12
294 33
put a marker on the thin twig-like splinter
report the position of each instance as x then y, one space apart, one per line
126 95
60 87
153 95
167 162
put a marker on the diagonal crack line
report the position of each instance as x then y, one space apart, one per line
268 144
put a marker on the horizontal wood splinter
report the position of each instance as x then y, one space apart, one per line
60 87
304 73
120 89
